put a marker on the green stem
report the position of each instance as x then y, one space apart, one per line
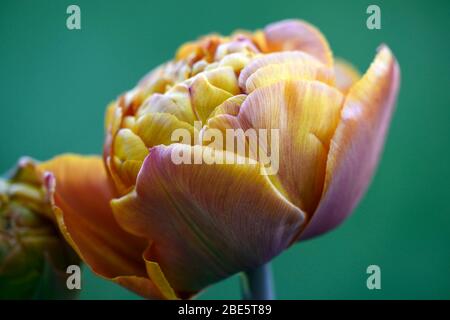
257 284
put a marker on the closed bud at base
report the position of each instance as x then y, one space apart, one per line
33 254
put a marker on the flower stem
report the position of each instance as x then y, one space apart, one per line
257 284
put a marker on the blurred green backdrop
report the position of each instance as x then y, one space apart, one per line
55 84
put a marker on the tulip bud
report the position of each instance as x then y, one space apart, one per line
33 254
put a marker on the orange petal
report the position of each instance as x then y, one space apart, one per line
206 222
357 143
290 35
81 194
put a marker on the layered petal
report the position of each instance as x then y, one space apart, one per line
306 114
278 66
158 128
80 194
129 153
290 35
229 106
357 143
206 221
205 96
33 254
346 75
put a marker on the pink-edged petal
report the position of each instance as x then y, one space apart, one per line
357 143
206 221
80 194
297 35
346 75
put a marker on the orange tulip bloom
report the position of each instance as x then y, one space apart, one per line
168 230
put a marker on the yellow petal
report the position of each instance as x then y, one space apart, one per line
176 101
80 194
304 60
237 61
230 106
346 75
187 50
240 43
128 146
125 173
110 117
227 123
142 286
114 118
260 41
157 276
223 78
157 128
205 97
128 122
128 153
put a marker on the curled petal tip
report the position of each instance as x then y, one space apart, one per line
357 142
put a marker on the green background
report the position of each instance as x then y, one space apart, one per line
55 84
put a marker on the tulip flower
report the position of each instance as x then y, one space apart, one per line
167 230
33 254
